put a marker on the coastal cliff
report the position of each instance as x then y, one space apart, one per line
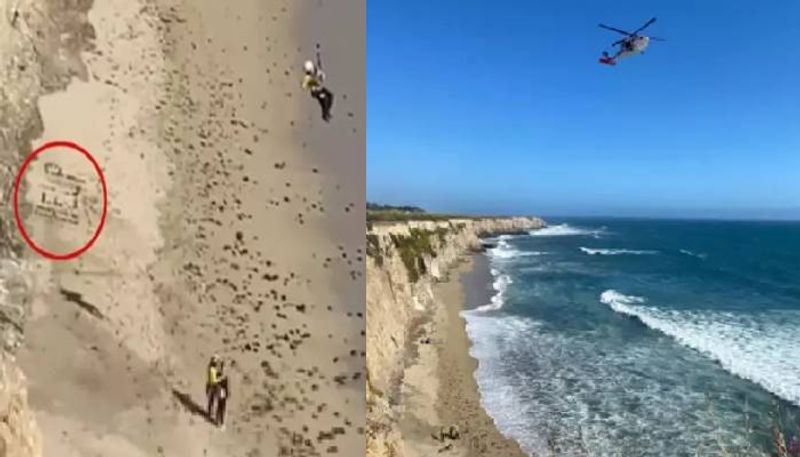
404 261
41 43
19 434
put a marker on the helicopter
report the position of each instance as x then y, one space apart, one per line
632 44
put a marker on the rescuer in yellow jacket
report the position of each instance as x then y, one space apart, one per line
313 82
211 384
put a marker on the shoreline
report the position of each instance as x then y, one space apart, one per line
468 287
438 392
422 396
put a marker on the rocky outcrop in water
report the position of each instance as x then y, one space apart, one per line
404 260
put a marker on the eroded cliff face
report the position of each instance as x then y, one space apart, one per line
404 260
19 435
40 45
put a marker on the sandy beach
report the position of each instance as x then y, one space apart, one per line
468 287
439 390
233 222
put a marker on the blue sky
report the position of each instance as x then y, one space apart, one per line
482 108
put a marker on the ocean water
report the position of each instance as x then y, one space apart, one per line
642 338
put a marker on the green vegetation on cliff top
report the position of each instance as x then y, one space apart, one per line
414 247
374 249
407 209
412 250
388 213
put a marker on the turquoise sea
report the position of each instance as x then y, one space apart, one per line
642 337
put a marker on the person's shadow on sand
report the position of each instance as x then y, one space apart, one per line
190 404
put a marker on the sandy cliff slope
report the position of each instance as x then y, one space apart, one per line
233 227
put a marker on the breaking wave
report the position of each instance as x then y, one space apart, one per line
547 389
505 251
605 251
498 258
761 347
565 230
693 254
500 285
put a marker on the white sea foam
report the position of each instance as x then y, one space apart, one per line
543 386
498 256
617 301
565 230
761 347
540 383
533 253
500 285
503 250
610 251
510 253
693 254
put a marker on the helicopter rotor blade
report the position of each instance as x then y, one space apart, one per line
647 24
615 30
655 38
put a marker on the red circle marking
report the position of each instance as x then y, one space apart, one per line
43 252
